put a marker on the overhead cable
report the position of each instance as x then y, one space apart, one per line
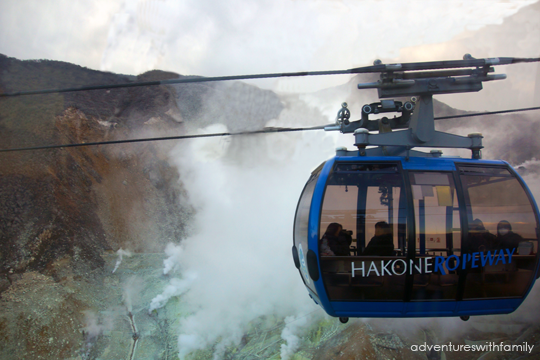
265 130
179 137
486 113
378 68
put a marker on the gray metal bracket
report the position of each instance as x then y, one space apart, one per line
407 139
418 118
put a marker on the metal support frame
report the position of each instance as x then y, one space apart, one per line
417 116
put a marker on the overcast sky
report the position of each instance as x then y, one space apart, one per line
212 38
236 36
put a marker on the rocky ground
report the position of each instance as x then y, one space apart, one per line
104 315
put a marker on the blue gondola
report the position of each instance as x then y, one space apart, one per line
393 232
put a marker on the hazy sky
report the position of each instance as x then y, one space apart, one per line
238 36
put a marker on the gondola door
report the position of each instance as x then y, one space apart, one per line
367 201
434 265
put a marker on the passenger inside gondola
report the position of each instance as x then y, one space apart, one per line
382 244
330 234
480 239
336 241
342 247
506 238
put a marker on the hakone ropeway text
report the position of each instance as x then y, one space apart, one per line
426 266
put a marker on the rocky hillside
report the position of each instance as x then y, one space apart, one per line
62 210
75 202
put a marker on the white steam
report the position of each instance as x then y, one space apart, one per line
121 253
95 324
176 287
170 264
237 265
295 327
132 289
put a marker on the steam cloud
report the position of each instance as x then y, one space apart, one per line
121 253
95 325
131 290
176 287
172 252
294 328
237 266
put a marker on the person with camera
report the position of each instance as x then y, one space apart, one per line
337 239
344 242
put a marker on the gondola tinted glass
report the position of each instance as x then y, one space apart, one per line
438 234
416 237
358 197
301 224
502 234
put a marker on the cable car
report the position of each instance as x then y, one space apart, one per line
394 232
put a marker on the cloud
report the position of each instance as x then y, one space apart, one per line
72 31
236 37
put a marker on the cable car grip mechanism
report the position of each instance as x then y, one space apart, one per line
416 122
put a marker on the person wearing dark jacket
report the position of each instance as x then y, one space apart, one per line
480 239
506 238
343 243
382 244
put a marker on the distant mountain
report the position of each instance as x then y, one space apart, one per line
81 201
